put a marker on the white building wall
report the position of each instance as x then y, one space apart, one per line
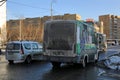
3 22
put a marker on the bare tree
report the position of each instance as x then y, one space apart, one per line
12 35
29 31
3 34
32 32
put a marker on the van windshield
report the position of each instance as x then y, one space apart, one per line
13 46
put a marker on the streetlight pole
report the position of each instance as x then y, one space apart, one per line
51 10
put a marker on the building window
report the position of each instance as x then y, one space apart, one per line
14 24
115 26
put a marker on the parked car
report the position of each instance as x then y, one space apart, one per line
22 51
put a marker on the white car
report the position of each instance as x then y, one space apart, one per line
22 51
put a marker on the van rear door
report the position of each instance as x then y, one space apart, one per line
13 51
13 48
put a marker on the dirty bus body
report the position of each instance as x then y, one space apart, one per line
69 42
101 41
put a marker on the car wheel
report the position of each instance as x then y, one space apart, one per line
10 61
28 59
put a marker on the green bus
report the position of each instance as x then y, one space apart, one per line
69 41
102 42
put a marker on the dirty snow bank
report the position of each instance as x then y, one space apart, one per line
113 62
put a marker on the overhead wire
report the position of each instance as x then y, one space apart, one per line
21 4
26 5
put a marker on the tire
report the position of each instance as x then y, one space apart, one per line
28 60
84 62
11 61
56 64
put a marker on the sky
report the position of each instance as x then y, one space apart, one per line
38 8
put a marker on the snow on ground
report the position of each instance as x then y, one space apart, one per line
113 62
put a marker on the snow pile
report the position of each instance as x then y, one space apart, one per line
113 62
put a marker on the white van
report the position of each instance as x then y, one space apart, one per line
22 51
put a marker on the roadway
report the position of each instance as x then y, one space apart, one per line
39 70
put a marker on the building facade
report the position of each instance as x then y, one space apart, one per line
111 26
2 22
24 29
98 26
32 28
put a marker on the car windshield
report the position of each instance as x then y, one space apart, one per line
13 46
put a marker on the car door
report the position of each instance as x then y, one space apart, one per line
27 48
35 48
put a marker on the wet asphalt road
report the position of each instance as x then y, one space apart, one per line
43 71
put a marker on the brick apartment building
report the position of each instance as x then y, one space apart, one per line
111 24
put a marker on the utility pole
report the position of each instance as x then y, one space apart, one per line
20 29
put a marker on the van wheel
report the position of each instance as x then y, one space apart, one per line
28 59
10 61
56 64
84 62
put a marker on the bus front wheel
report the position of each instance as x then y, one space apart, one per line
56 64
